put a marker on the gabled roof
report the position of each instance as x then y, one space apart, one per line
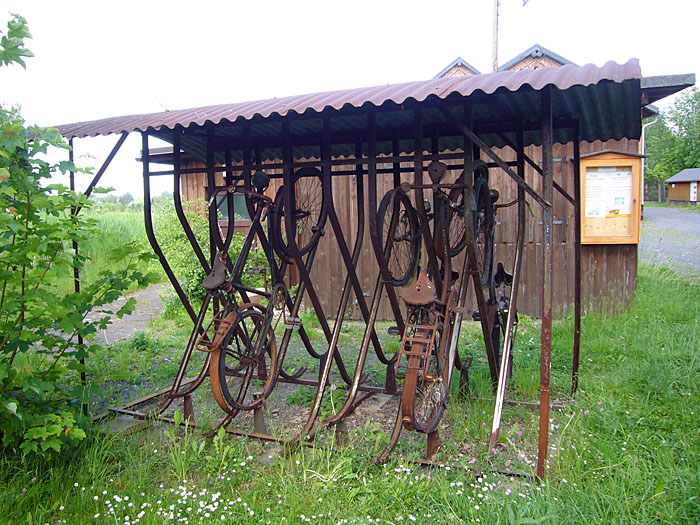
604 151
687 175
535 51
459 61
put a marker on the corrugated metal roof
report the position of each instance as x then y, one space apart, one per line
687 175
599 96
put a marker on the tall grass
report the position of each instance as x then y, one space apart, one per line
115 228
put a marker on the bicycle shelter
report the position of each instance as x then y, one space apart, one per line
443 128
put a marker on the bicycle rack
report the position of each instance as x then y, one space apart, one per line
415 350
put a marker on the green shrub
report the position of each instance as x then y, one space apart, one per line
45 333
182 259
179 252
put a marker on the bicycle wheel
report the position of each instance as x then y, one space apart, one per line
308 215
405 247
430 391
457 225
245 364
483 229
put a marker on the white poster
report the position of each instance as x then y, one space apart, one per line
608 193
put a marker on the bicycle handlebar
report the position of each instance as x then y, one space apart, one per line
238 189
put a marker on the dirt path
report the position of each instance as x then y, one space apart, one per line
671 237
148 307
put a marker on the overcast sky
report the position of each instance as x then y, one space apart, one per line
101 59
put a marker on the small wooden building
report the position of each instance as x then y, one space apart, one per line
609 270
683 187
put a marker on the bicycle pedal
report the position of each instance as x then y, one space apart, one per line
205 346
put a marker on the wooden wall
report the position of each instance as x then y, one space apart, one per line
608 271
679 193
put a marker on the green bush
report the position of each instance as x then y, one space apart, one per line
182 259
45 332
179 252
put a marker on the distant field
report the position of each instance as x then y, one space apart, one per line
115 229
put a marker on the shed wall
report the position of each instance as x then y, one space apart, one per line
608 271
681 191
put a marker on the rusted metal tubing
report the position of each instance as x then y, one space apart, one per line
277 272
301 267
428 240
453 355
537 168
379 250
188 409
486 320
216 243
577 259
231 216
432 445
484 147
177 200
352 279
350 262
96 179
148 218
546 344
395 434
503 378
383 281
76 276
192 341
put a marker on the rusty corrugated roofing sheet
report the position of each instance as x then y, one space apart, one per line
504 83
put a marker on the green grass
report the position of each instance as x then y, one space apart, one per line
666 204
627 450
115 229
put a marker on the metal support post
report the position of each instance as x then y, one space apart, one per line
546 344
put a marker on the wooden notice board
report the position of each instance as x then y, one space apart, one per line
610 198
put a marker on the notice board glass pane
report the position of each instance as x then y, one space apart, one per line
609 201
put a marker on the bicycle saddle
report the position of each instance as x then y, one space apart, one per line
436 171
502 276
260 180
217 275
421 293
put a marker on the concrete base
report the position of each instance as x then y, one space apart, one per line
122 424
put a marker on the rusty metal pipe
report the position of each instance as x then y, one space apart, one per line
512 304
350 262
301 267
503 165
177 201
420 203
546 344
577 259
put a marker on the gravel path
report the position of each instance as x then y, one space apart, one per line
671 237
148 307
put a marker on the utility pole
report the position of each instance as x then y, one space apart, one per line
494 54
